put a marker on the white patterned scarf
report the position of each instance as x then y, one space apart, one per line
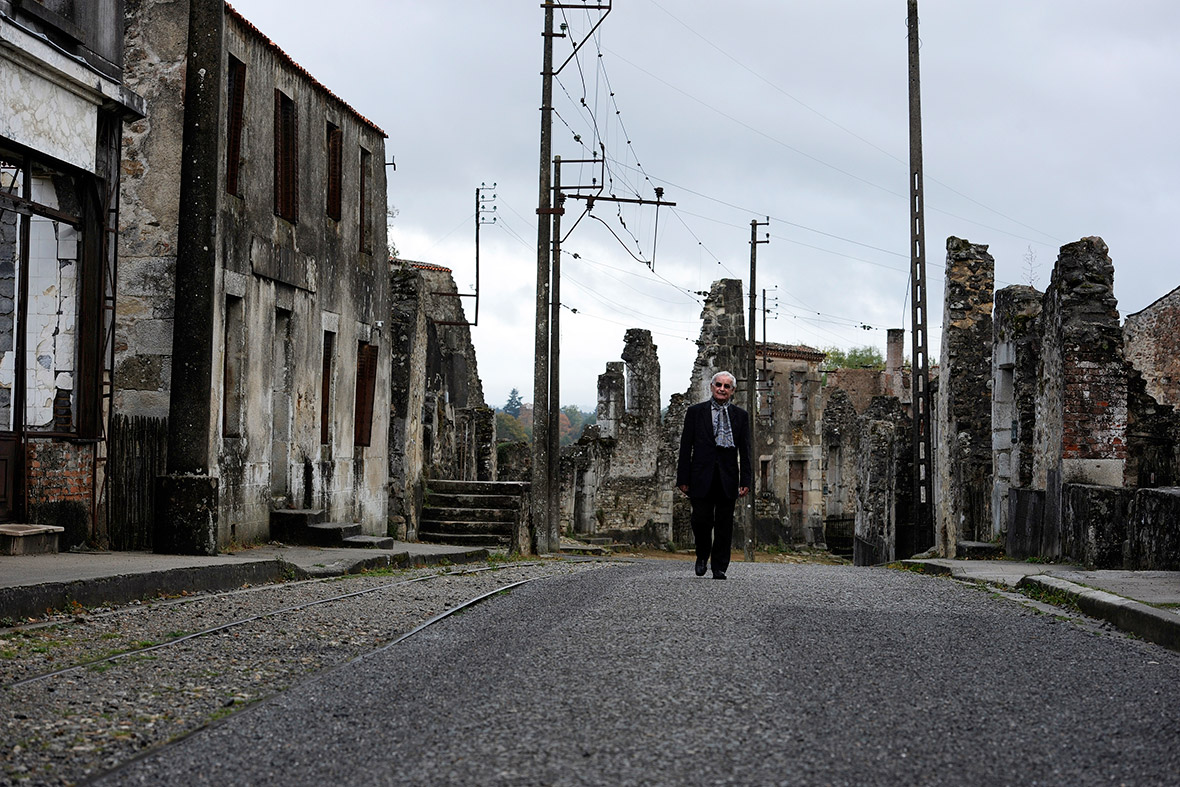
722 430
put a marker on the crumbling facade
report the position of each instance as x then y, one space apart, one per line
63 106
257 284
788 458
440 426
963 452
1015 353
618 478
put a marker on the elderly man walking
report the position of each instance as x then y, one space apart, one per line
714 471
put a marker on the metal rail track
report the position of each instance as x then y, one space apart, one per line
273 613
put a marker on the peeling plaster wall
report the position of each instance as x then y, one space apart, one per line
1014 372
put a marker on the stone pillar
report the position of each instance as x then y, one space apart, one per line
643 376
1081 409
191 450
611 399
963 456
484 430
883 488
1014 378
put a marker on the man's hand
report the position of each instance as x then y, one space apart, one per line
743 491
683 488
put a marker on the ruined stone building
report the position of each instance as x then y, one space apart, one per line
252 348
788 455
1080 439
63 106
618 478
440 425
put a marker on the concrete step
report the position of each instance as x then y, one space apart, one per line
455 500
373 542
434 514
327 534
446 486
465 539
286 524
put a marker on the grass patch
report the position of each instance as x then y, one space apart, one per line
1057 598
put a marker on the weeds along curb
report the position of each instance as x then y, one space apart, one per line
1154 625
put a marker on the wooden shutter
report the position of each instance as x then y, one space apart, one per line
366 386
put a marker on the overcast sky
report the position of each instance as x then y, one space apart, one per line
1043 122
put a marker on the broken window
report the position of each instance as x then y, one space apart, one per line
335 147
286 158
235 101
366 386
41 245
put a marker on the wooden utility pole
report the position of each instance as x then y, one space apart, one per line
539 475
923 534
752 384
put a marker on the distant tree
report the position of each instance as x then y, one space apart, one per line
513 405
867 357
509 429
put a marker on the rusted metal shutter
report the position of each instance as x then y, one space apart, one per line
366 386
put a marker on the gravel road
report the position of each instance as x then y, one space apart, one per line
66 728
785 674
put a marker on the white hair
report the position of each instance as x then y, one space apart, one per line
732 379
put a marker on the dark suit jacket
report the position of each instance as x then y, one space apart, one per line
699 454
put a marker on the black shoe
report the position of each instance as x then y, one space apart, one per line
701 566
718 574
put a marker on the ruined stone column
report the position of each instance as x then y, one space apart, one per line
963 457
1014 376
1081 409
611 399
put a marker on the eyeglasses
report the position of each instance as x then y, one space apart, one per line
722 385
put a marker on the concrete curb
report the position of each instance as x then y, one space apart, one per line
37 600
34 601
1154 625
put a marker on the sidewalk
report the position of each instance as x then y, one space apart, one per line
32 584
1144 603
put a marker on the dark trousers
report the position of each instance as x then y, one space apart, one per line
712 525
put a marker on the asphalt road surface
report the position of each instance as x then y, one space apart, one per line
784 674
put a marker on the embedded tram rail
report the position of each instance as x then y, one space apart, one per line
96 689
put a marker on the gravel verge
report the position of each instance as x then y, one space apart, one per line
66 728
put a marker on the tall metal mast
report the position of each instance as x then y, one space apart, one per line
920 373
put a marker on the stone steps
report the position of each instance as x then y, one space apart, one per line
473 513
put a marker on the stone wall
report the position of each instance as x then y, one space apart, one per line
1152 340
883 492
841 448
963 455
1014 372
